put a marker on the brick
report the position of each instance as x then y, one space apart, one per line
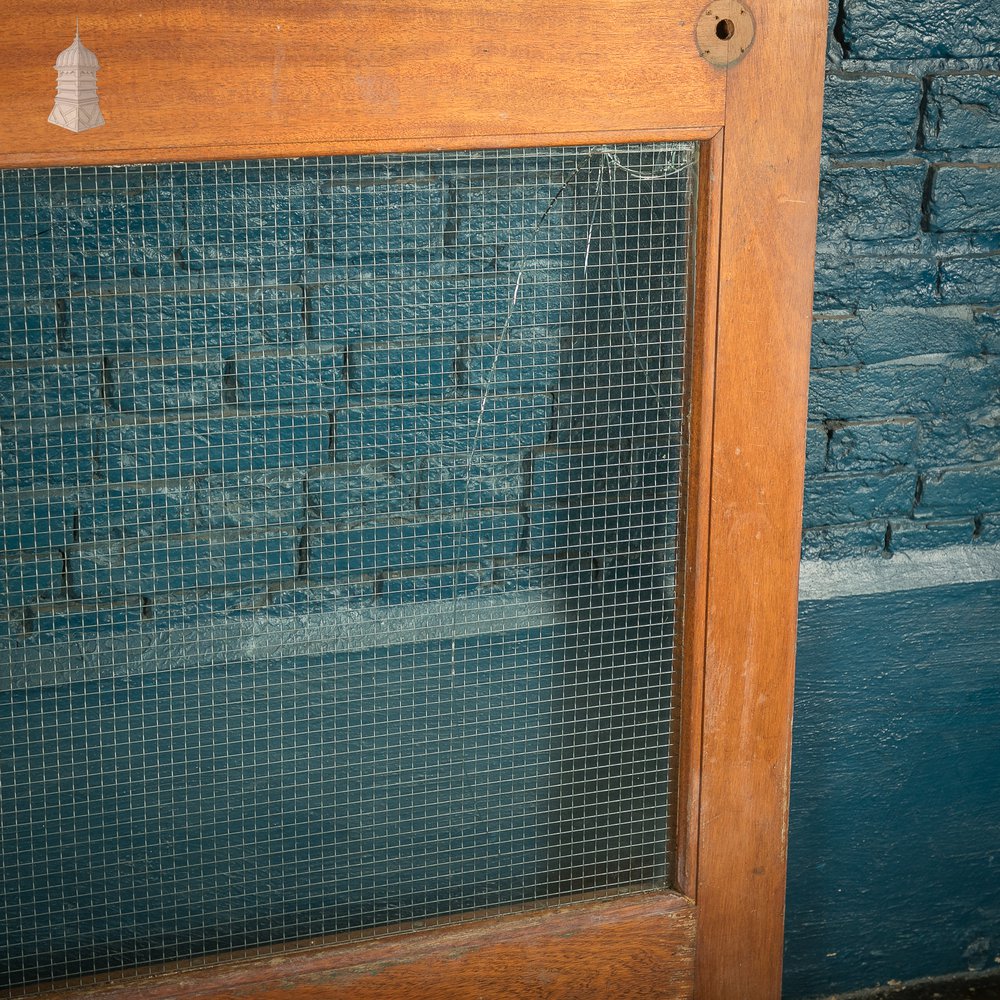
966 490
965 199
28 329
870 202
410 544
248 501
189 321
522 219
611 418
36 457
478 480
971 279
75 620
162 565
405 370
116 515
36 524
146 451
920 29
633 471
103 234
25 580
963 112
385 220
607 525
988 324
320 598
433 587
879 444
144 388
363 490
524 360
966 438
884 334
845 542
816 442
865 116
98 571
988 529
400 309
851 281
305 382
936 384
201 607
50 390
231 239
363 433
920 536
842 499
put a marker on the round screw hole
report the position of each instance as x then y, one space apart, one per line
725 29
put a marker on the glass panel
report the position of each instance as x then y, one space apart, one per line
339 508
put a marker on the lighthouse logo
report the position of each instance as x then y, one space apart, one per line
76 106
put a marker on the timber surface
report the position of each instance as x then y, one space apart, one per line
633 948
770 183
222 79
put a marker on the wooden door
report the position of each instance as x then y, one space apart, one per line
198 81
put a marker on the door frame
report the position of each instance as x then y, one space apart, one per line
410 75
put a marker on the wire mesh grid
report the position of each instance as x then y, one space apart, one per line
339 508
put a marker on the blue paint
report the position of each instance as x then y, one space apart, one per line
36 524
970 279
870 203
50 391
24 581
409 371
963 112
877 444
253 742
37 458
873 335
843 498
920 29
186 321
893 816
146 451
405 430
363 491
309 382
375 547
870 116
971 490
160 388
965 199
119 514
893 869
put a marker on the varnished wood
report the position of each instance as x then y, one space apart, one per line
630 948
725 32
194 80
694 520
770 181
206 79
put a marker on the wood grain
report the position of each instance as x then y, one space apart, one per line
631 948
194 80
770 181
693 524
206 79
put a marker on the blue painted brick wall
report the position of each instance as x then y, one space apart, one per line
903 449
307 367
906 369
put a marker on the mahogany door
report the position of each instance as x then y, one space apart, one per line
742 83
